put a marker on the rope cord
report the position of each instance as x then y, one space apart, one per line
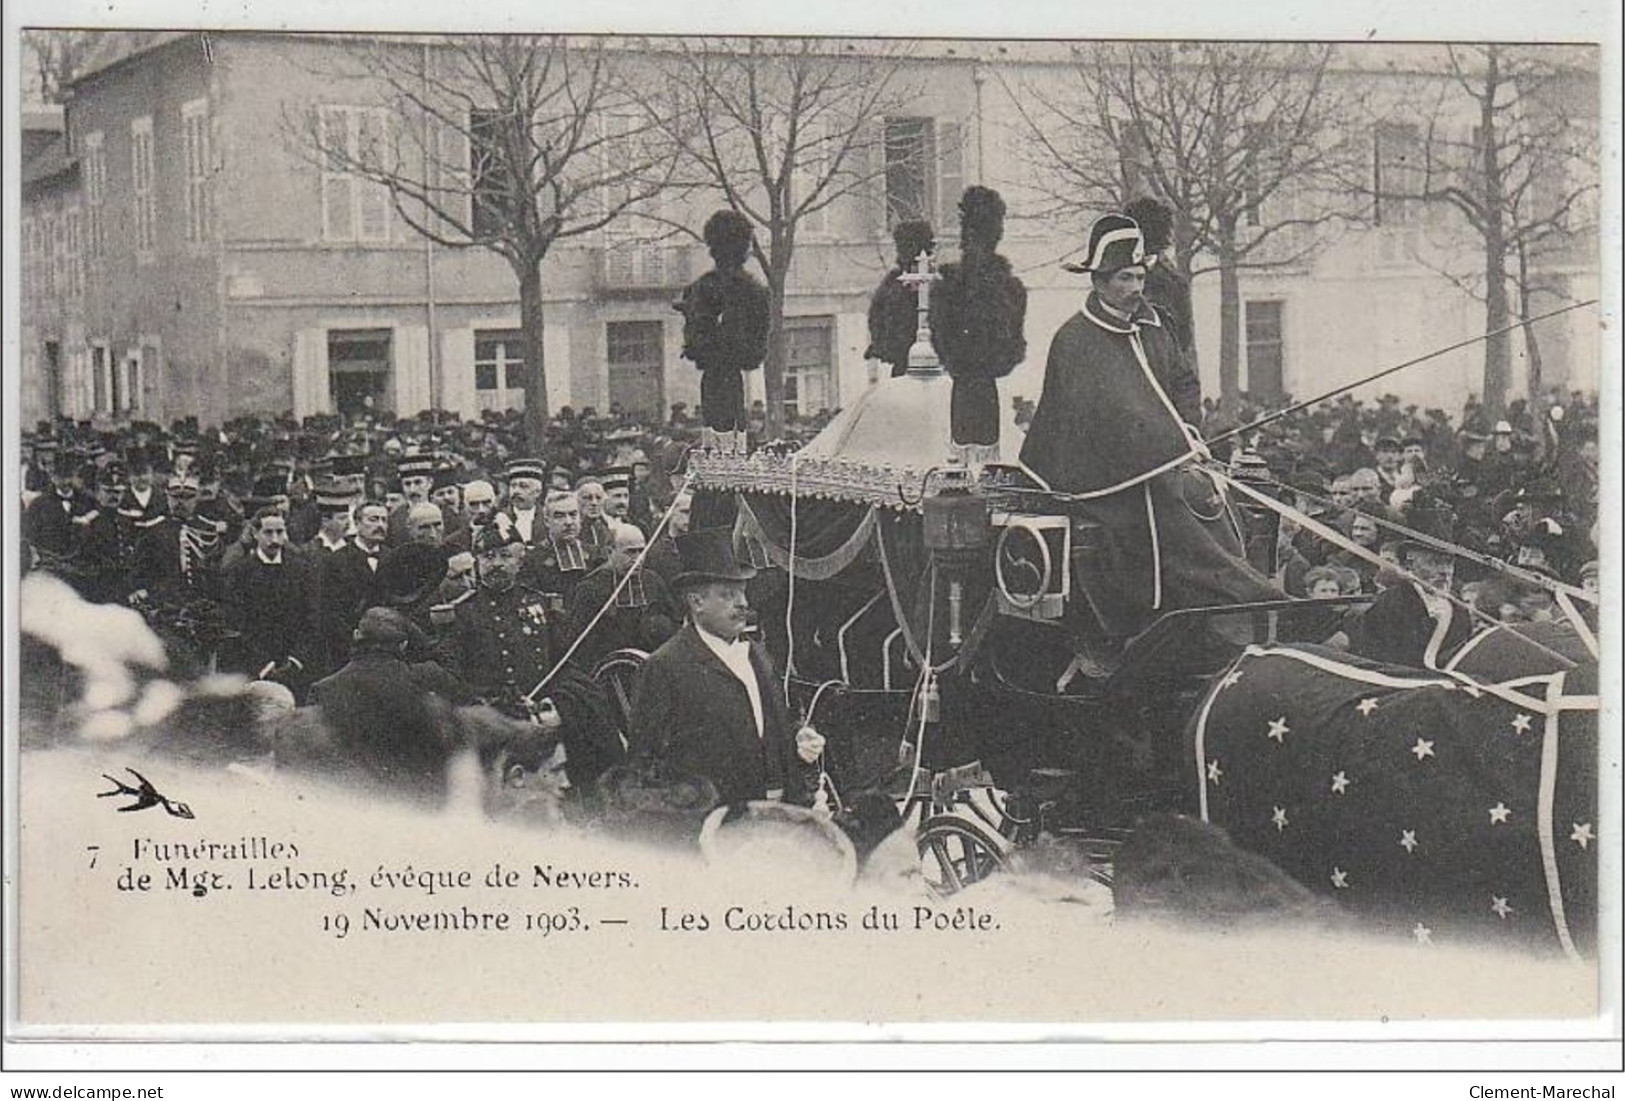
530 697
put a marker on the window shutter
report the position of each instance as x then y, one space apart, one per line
457 373
412 392
311 392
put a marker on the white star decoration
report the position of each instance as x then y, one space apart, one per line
1230 681
1582 834
1340 783
1422 933
1279 818
1422 748
1279 730
1340 878
1520 725
1499 814
1214 772
1499 905
1367 705
1407 840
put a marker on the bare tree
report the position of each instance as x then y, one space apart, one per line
782 129
53 59
1242 140
509 143
1522 174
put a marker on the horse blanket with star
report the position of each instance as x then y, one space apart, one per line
1429 805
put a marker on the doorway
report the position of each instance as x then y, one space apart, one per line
358 365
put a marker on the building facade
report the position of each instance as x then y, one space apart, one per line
185 254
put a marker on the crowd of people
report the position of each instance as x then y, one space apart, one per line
1521 489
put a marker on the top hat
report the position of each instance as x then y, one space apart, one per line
446 478
1115 242
708 555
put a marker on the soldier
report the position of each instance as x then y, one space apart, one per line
178 559
501 639
643 615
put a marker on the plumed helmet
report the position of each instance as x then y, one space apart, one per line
981 214
727 235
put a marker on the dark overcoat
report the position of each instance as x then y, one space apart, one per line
346 586
692 715
274 608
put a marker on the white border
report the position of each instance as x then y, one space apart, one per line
1426 1045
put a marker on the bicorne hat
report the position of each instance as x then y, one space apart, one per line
1115 242
708 555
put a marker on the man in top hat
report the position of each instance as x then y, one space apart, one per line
725 328
978 320
271 598
53 523
143 505
894 307
1116 422
526 480
708 701
643 614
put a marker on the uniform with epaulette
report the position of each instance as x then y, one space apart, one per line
502 641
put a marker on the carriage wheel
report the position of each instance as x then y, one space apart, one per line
955 853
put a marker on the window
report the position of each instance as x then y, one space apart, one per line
94 169
808 378
636 351
101 377
195 138
812 167
488 173
48 240
499 361
1396 172
1265 360
31 261
925 172
73 249
146 200
355 140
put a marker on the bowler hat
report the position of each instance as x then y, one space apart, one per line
708 555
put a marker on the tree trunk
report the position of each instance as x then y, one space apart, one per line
532 323
1531 342
1229 323
1497 311
777 351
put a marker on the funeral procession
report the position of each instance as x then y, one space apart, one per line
1169 469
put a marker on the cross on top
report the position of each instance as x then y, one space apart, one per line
922 356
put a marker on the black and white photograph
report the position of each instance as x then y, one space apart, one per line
536 530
